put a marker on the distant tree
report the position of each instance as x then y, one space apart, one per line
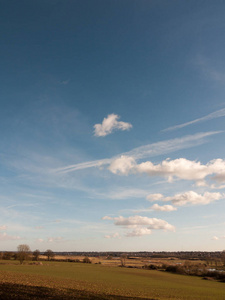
49 253
36 254
123 258
23 252
86 260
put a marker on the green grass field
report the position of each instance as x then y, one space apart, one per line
63 280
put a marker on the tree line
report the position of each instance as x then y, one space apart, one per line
24 253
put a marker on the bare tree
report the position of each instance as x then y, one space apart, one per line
23 252
123 258
49 253
36 254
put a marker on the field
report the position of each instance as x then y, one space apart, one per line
65 280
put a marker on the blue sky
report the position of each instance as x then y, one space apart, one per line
112 125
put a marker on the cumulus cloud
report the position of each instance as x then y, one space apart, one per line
140 225
187 198
139 232
193 198
123 165
163 207
109 125
135 221
181 168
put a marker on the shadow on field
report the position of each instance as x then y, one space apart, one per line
9 291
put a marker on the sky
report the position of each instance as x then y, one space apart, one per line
112 125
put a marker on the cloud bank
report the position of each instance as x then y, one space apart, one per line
109 125
180 168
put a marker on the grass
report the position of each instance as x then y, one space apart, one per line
66 280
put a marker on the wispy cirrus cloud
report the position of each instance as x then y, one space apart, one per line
109 125
216 114
149 150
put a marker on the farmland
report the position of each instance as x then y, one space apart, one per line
68 280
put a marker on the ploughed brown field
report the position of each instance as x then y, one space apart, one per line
74 280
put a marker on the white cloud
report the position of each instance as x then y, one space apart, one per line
214 115
154 197
152 223
163 208
149 150
140 225
180 168
110 124
107 218
123 165
194 198
139 232
112 236
125 193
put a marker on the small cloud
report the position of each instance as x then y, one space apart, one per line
194 198
215 238
107 218
113 236
163 208
109 125
139 232
154 197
